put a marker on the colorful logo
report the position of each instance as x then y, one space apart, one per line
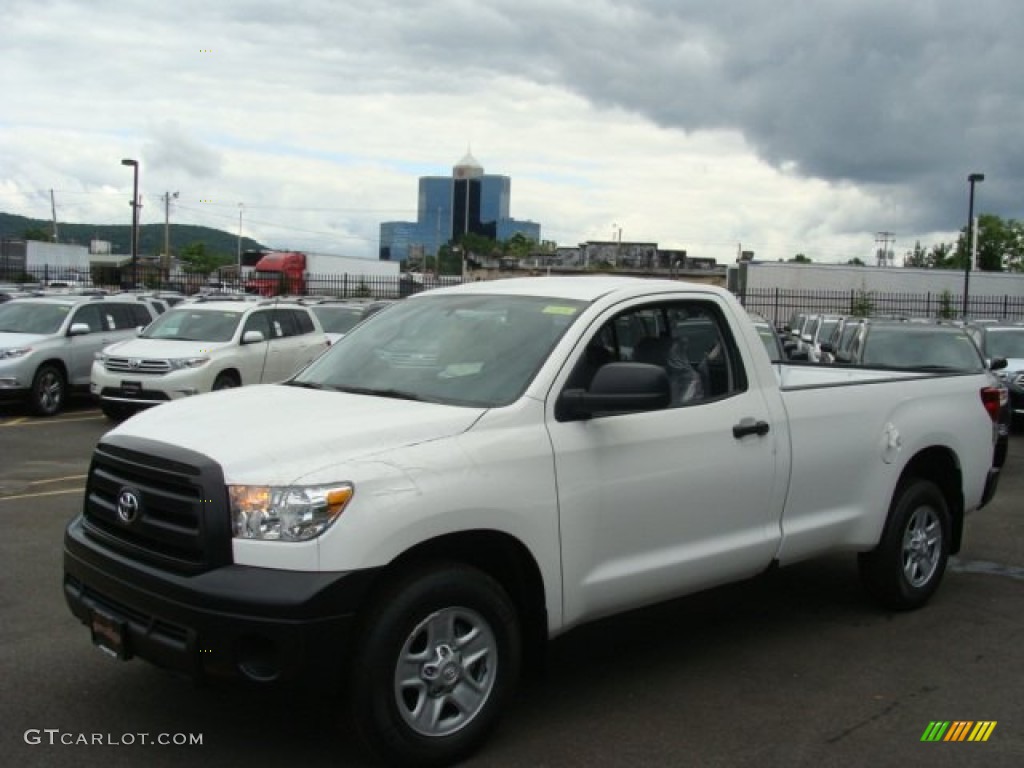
958 730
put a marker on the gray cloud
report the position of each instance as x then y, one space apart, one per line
170 148
897 100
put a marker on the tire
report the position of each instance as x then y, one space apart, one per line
434 666
906 568
225 381
49 390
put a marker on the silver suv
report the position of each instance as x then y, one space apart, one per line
47 343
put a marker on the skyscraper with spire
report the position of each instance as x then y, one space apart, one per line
468 201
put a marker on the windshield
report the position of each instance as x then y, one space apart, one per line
1008 343
193 325
31 317
826 328
338 319
453 349
902 347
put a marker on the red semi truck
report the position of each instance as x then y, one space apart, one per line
279 272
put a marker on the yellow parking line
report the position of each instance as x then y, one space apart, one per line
58 479
23 422
42 493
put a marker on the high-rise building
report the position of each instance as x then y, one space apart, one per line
450 206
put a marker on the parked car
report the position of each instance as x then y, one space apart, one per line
778 347
205 346
47 343
818 331
1006 341
922 346
928 347
338 317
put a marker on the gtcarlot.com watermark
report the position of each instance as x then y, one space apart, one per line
56 737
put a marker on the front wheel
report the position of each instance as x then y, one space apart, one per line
435 665
907 566
225 381
49 388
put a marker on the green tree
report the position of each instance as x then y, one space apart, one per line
800 259
938 257
856 261
862 305
942 256
519 246
916 258
198 260
1000 244
36 233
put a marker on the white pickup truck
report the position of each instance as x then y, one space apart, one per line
480 468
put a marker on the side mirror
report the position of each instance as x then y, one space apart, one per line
827 348
79 329
799 356
617 388
253 337
997 363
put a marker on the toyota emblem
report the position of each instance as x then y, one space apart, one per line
134 363
128 505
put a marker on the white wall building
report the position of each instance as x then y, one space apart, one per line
757 275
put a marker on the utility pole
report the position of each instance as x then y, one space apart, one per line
241 208
883 253
165 262
53 210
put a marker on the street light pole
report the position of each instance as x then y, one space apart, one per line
972 179
238 276
135 219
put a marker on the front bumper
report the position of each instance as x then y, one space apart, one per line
234 621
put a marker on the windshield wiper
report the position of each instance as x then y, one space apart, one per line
398 394
307 385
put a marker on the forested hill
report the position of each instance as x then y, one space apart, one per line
151 236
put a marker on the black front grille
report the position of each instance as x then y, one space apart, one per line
181 519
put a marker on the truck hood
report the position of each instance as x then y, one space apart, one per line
163 349
274 434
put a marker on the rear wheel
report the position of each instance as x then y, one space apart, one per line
907 566
49 389
435 665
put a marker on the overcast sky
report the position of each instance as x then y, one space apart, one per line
786 126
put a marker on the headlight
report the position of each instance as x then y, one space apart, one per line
180 363
286 513
14 352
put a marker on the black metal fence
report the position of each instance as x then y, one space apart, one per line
779 304
114 278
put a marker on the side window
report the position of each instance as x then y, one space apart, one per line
284 323
120 316
689 339
258 321
90 315
303 321
140 315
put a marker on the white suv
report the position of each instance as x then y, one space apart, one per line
203 346
47 343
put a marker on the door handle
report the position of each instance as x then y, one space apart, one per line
750 426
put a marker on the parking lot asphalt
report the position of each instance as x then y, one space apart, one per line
794 668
